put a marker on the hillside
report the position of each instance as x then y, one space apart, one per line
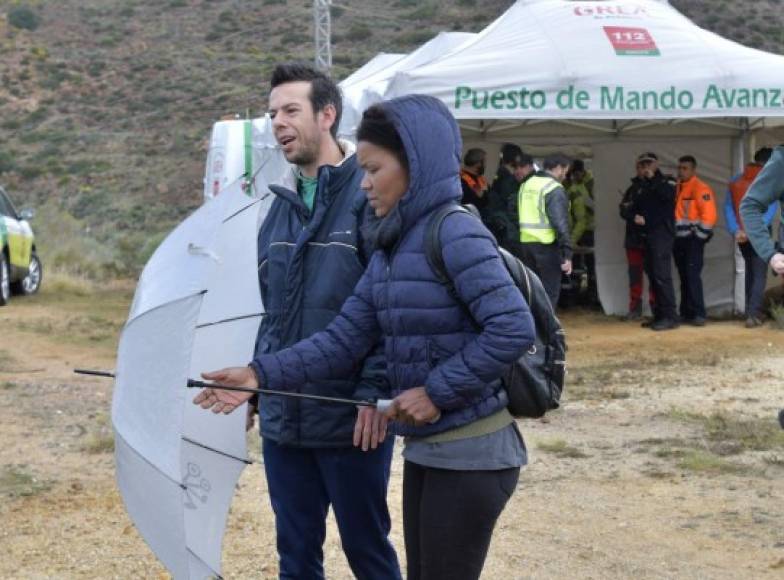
105 105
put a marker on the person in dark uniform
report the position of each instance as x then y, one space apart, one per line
634 243
500 214
654 212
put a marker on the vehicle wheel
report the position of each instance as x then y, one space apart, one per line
5 281
32 282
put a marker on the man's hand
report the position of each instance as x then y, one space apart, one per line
639 220
225 402
777 263
414 407
566 267
741 237
370 428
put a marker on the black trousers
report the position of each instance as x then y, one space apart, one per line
689 258
658 267
545 260
448 519
756 279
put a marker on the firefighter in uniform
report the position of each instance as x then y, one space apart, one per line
543 213
695 218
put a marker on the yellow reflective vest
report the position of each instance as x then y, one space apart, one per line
531 208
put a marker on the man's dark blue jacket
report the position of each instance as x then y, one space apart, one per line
308 266
429 338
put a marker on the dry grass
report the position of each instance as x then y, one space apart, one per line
728 435
60 283
560 448
17 481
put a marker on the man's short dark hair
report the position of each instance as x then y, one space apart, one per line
688 159
510 154
474 157
763 155
556 160
323 90
525 159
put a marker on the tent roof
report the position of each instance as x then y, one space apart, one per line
382 61
601 60
358 95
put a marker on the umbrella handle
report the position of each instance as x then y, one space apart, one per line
384 405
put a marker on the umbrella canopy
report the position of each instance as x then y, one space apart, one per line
196 308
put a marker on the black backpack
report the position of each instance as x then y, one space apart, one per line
535 381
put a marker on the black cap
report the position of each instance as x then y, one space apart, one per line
648 157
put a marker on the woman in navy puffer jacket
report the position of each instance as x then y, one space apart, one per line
462 449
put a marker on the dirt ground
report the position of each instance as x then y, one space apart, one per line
665 462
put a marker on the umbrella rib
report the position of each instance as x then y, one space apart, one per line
150 463
236 318
219 452
200 559
239 211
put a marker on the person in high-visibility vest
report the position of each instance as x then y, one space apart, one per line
543 213
756 269
695 218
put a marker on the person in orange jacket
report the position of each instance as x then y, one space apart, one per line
695 218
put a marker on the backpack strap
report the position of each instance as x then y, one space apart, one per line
435 253
433 250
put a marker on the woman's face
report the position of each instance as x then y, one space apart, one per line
385 181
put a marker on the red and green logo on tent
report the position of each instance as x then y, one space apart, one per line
631 41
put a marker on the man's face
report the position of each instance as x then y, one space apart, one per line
649 167
640 169
297 129
480 168
578 175
520 172
686 170
559 172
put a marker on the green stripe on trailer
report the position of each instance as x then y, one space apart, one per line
248 158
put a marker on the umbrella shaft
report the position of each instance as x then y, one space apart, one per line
94 373
202 385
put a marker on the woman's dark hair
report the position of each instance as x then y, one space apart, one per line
376 128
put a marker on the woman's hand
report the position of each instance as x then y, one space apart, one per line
225 402
370 428
414 407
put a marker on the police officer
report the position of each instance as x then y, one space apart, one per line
543 213
654 212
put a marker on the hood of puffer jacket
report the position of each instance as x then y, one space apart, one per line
433 146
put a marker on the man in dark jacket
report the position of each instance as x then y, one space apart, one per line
311 255
500 214
654 211
545 240
634 243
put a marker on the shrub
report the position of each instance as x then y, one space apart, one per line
359 32
24 18
6 162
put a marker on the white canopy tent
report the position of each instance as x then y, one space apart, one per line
607 80
359 94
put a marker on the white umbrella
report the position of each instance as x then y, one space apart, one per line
196 308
